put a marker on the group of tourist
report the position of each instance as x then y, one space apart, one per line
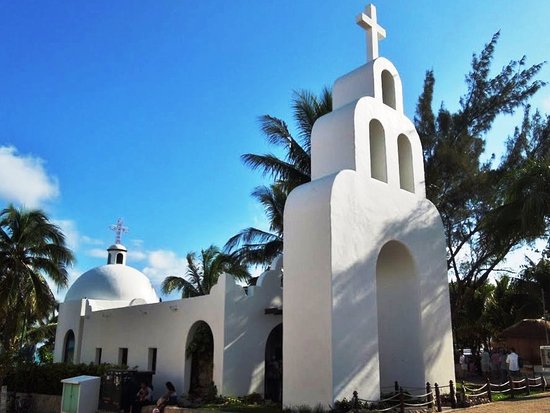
498 364
144 397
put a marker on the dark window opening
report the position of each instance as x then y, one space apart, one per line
152 362
123 356
119 258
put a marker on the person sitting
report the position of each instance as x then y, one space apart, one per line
168 398
143 398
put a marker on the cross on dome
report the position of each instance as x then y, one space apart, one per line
119 229
375 32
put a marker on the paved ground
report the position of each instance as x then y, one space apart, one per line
536 404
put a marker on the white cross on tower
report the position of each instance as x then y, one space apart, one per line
375 32
119 229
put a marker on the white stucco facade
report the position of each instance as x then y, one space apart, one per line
367 249
238 322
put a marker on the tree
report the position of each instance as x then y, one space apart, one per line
203 274
255 246
487 210
31 249
533 288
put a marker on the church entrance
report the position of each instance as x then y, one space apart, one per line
274 365
399 318
200 356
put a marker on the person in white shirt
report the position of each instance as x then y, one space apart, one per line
513 363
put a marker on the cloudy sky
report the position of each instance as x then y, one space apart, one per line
141 110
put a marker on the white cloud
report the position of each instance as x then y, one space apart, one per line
545 103
161 263
135 255
97 253
91 241
68 227
23 179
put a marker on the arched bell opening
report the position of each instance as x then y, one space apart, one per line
388 89
406 172
377 142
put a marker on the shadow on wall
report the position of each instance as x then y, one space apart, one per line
358 331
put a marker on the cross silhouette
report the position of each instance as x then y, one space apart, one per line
375 32
119 229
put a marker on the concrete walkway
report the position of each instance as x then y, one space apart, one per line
534 404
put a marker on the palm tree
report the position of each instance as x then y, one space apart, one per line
203 274
256 246
31 249
253 245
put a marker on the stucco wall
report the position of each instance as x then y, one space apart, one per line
238 323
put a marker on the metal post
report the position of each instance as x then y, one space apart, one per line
489 394
401 401
437 397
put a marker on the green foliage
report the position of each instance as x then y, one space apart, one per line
46 378
202 342
342 406
31 250
203 273
487 208
255 246
252 403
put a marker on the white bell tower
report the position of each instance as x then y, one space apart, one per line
366 298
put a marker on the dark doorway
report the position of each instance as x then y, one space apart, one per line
200 348
274 365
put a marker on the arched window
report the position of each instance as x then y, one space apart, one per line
68 348
406 172
119 258
388 89
377 151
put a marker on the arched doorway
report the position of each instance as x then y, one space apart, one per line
274 365
399 319
68 347
199 352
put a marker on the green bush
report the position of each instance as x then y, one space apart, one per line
46 378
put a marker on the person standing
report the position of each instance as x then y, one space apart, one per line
503 366
463 361
512 360
495 364
485 363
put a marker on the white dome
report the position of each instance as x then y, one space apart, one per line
113 282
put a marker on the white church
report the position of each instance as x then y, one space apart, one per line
365 299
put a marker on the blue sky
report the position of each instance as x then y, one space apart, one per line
141 110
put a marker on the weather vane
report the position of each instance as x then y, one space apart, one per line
119 229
